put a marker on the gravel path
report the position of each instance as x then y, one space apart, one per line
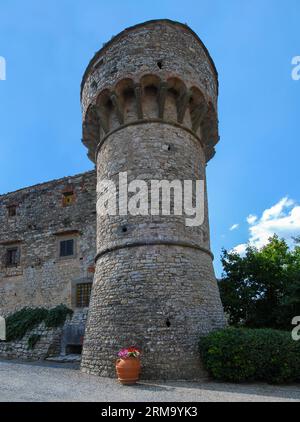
58 382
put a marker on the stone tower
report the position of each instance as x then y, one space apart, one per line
149 102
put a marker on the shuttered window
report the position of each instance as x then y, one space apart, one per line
12 257
12 210
66 247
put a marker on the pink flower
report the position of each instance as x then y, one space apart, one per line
129 352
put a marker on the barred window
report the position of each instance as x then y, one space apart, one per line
83 293
66 248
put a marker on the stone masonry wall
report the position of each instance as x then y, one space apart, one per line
138 51
73 330
42 220
160 298
47 345
154 283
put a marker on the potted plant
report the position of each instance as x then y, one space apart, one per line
128 366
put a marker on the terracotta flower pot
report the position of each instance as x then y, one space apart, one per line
128 370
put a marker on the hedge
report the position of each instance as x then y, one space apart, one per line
241 354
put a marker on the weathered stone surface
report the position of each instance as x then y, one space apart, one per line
47 345
42 278
134 66
53 342
154 284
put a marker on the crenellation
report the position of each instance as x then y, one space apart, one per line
160 61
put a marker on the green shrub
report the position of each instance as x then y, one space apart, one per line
20 322
57 316
33 339
241 354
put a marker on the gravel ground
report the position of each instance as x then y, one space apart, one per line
63 382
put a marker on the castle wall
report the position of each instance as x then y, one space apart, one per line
43 219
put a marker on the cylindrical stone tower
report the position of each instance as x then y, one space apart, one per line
149 101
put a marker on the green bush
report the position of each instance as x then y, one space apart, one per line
241 354
57 316
33 339
20 322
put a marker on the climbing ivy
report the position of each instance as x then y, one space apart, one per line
57 316
20 322
33 339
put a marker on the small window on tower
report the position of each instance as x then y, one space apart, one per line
12 210
66 248
83 294
68 198
12 257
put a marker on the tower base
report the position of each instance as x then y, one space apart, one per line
160 298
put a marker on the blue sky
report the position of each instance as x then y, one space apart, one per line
48 44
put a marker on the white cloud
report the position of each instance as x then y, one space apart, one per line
234 227
282 218
278 210
240 249
251 219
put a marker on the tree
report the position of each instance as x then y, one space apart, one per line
262 289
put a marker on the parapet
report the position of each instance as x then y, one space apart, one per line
157 71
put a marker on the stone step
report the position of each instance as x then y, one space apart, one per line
64 358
